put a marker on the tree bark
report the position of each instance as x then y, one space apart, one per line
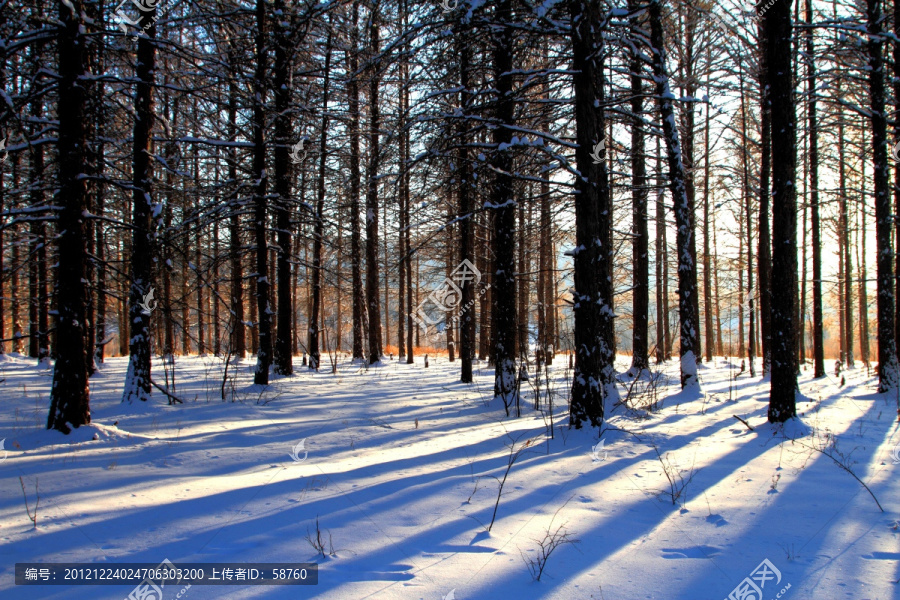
451 315
260 203
522 274
764 251
372 267
355 234
201 318
466 215
592 296
639 190
137 381
406 220
684 215
896 79
813 127
70 395
707 225
403 309
779 79
888 368
687 160
484 313
37 346
751 350
847 281
863 277
284 125
503 204
319 228
839 231
238 338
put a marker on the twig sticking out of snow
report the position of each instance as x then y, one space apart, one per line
171 396
830 450
514 455
37 500
553 539
318 542
744 422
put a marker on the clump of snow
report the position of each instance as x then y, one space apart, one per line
36 439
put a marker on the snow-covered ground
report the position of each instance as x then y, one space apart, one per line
402 470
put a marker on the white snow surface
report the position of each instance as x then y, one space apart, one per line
213 481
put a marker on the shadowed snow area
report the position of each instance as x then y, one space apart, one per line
402 465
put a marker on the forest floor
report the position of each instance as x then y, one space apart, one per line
401 467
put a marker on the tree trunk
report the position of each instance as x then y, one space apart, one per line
484 313
764 252
69 395
372 270
260 204
386 315
355 236
503 204
778 77
707 225
522 274
720 349
860 260
592 296
640 243
319 228
466 216
38 241
168 349
684 216
687 161
742 305
14 284
407 225
751 351
217 341
451 315
409 269
839 231
847 281
238 341
813 129
545 233
137 381
284 125
201 317
403 310
888 369
896 80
